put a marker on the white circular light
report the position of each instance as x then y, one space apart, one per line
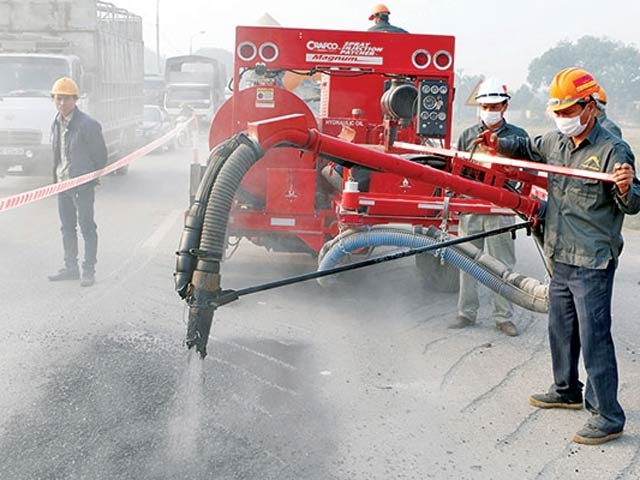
247 51
438 55
269 56
424 56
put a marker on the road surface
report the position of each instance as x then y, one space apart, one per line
359 381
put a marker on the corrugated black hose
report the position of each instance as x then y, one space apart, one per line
190 239
205 281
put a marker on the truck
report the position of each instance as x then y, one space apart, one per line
97 44
195 82
154 90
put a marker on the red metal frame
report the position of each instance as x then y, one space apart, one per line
285 195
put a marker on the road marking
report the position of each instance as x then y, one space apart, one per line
255 352
159 233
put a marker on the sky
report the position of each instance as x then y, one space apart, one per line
494 38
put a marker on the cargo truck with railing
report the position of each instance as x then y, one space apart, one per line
97 44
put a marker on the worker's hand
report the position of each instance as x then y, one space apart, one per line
488 140
623 176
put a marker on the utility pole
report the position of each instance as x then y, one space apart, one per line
158 35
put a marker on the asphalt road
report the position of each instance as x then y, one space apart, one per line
359 381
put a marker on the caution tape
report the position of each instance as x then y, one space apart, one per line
510 162
31 196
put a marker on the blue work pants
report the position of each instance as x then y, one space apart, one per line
580 318
75 207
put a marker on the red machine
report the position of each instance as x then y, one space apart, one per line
375 89
363 162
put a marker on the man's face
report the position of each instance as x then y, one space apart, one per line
65 104
582 109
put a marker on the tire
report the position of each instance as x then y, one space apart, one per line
443 278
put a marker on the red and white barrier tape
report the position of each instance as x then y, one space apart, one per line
24 198
509 162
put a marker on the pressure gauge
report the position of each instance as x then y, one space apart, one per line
429 102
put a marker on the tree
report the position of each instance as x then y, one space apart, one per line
615 66
530 104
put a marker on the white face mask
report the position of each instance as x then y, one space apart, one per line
570 126
490 118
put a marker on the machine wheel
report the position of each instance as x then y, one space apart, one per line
444 278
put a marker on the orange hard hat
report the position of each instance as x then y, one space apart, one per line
65 86
602 96
569 86
378 10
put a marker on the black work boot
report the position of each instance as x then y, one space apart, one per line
88 279
556 400
65 274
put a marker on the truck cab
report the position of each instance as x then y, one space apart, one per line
26 109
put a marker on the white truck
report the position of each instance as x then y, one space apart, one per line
97 44
195 82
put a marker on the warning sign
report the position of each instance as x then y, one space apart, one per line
471 99
265 97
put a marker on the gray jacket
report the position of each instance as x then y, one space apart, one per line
583 218
385 26
609 125
85 147
471 133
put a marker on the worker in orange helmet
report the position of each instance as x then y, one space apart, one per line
603 119
380 16
582 244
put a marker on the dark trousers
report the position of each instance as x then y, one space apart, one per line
580 318
75 207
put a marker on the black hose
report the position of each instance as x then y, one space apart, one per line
216 217
204 284
190 239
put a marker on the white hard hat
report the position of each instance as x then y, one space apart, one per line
492 91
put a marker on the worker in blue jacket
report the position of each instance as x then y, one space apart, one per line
78 148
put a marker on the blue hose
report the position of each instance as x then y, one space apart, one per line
351 241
